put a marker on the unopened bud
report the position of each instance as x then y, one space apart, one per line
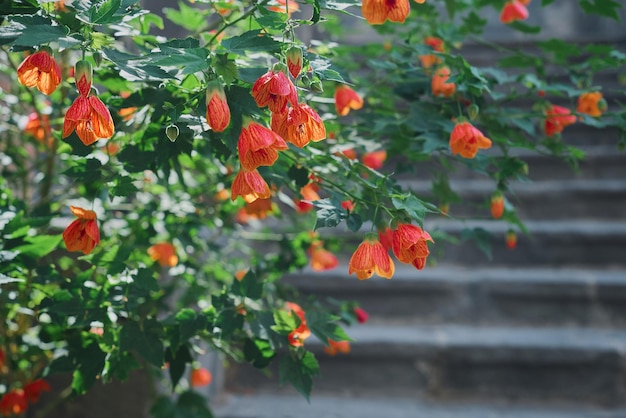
602 105
172 132
97 58
316 86
294 61
83 75
472 111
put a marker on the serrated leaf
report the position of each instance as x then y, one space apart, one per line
249 286
39 245
253 40
411 205
299 372
103 13
40 34
328 214
177 363
90 361
145 342
144 278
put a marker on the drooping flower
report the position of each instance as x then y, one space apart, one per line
410 244
285 6
90 118
361 315
335 347
301 332
346 99
466 140
200 377
309 193
258 146
250 186
428 60
163 253
274 90
497 205
591 104
259 209
83 76
371 257
321 259
376 12
217 110
33 390
557 118
299 124
510 239
348 205
349 153
439 83
39 128
41 70
374 159
13 403
83 233
385 236
294 61
512 11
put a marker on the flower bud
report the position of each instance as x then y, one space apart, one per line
294 61
510 239
316 86
602 105
217 109
497 205
172 132
83 75
473 111
97 58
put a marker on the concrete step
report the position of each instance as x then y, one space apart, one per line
450 362
328 406
484 296
553 199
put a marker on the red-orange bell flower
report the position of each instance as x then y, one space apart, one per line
439 83
39 128
33 390
302 332
321 259
510 239
13 403
467 140
428 60
249 185
374 159
410 246
259 209
83 233
335 347
376 12
274 90
497 205
557 118
369 258
163 253
361 315
41 70
346 99
217 110
591 104
200 377
299 125
512 11
258 146
91 119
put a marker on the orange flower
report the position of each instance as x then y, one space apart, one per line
467 140
259 209
385 236
348 205
294 61
361 315
39 128
299 125
164 253
409 245
91 119
512 11
346 99
439 84
274 90
83 233
41 70
308 193
321 259
249 185
200 377
591 104
369 258
33 390
13 403
436 44
350 154
375 159
510 239
335 347
285 7
258 146
83 76
59 6
302 332
497 205
217 110
376 12
557 118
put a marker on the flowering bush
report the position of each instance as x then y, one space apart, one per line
155 190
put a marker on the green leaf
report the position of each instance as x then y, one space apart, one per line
299 174
144 279
190 18
177 363
299 372
322 325
39 245
190 323
258 352
90 361
249 286
191 404
146 342
40 34
328 214
522 27
123 186
413 206
253 40
354 222
481 236
608 8
103 13
190 60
